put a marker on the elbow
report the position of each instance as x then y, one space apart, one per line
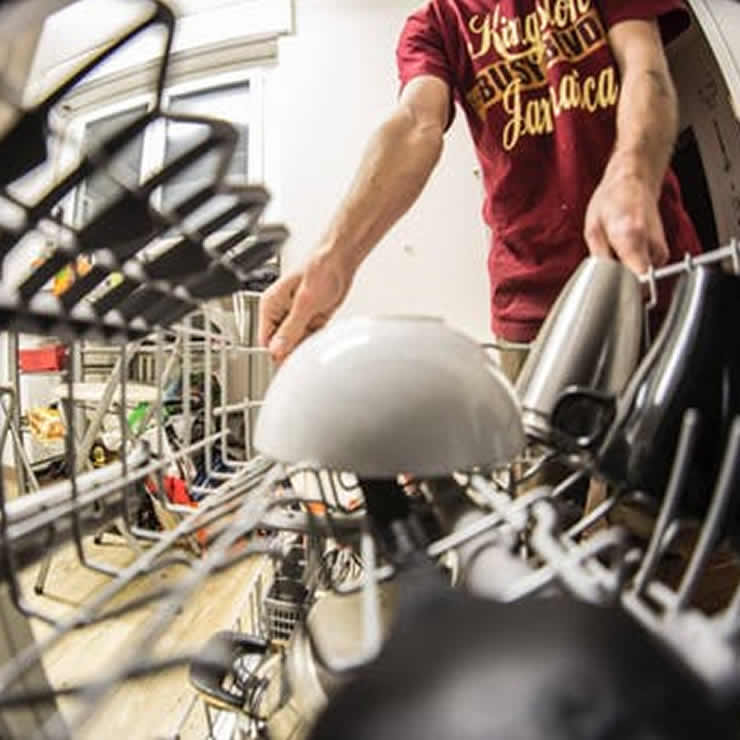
420 128
430 136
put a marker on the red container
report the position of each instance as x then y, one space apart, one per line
43 359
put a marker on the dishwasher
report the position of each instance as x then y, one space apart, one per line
403 590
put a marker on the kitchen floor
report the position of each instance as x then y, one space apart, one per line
152 707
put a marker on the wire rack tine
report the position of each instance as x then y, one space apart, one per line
246 520
725 490
686 442
689 262
25 660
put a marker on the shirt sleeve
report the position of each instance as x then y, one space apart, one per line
421 51
672 15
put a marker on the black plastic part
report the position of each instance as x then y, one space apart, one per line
254 257
83 285
24 146
139 301
218 281
113 297
582 416
694 363
42 274
186 257
124 227
214 663
540 669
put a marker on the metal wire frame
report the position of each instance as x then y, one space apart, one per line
137 305
729 252
708 643
246 518
220 723
90 500
145 300
246 500
174 344
532 517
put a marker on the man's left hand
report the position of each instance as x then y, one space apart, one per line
623 221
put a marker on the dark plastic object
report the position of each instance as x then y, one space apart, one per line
83 285
694 363
549 669
128 222
270 240
88 166
582 417
218 281
188 257
214 663
138 301
114 296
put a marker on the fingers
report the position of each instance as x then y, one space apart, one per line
633 244
597 242
267 324
274 307
299 322
659 252
640 244
633 252
623 221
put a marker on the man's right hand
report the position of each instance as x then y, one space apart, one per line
301 303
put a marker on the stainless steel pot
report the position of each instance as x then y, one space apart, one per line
331 636
590 338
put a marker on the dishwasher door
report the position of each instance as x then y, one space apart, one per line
705 62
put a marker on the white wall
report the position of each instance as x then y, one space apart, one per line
200 23
335 80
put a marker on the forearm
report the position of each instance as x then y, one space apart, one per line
647 125
394 169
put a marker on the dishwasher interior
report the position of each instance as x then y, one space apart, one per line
413 577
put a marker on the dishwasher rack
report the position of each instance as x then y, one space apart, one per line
156 304
181 483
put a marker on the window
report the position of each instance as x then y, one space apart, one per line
100 188
235 97
230 103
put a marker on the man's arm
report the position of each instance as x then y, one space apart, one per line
393 171
623 218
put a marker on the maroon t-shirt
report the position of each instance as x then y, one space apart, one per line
539 86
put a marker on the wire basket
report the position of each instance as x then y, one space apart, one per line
285 605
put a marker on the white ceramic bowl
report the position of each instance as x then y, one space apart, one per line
383 396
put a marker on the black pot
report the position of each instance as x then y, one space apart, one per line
694 363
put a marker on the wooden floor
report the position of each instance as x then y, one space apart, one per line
152 707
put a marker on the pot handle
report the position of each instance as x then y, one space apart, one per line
213 663
582 416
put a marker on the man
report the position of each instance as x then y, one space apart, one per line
574 115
